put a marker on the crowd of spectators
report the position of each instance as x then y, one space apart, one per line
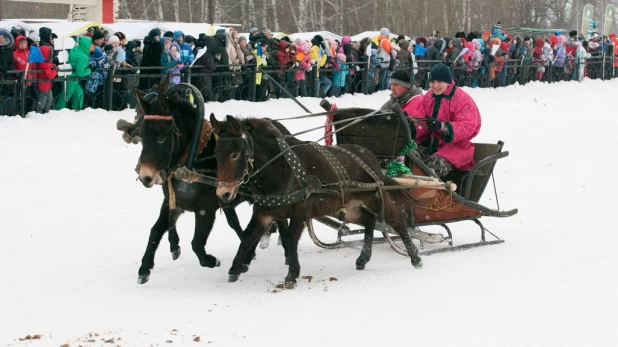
231 65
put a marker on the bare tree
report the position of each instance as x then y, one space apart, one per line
275 17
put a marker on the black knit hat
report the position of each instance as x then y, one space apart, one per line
97 35
401 77
441 73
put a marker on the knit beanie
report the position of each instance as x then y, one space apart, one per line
385 32
97 54
498 26
113 39
439 72
402 77
97 35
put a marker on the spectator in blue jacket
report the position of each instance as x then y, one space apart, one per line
186 52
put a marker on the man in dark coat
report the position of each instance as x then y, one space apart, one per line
151 57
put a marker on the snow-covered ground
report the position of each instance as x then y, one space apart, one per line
75 224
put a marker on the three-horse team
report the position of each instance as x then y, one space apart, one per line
256 160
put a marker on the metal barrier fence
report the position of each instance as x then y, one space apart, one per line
255 84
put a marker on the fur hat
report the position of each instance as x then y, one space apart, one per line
385 32
572 33
401 77
439 72
154 33
267 32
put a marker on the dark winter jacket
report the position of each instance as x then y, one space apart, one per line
433 52
6 52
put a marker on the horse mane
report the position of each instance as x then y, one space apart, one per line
263 127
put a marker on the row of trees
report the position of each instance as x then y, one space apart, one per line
412 17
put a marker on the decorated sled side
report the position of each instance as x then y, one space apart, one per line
386 135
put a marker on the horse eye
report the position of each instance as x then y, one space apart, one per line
160 139
235 155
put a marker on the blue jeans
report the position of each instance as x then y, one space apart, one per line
325 84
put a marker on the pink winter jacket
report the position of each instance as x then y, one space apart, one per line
460 114
413 107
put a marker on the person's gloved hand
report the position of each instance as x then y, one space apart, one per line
433 124
396 108
93 68
356 68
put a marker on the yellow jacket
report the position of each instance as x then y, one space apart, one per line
314 53
261 61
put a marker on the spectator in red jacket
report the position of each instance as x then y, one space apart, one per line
20 56
44 85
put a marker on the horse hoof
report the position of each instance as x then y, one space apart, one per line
141 279
218 263
288 261
418 265
360 266
290 284
233 278
245 268
176 254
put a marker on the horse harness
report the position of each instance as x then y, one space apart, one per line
205 135
311 184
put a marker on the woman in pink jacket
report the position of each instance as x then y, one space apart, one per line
454 120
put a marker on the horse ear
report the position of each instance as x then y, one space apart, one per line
216 125
165 83
141 102
233 126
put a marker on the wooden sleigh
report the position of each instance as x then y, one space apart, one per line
386 135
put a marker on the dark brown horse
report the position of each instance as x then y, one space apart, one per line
166 131
250 150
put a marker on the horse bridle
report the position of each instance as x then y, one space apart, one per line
175 135
248 150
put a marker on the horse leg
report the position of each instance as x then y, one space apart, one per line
295 229
283 226
248 241
232 220
203 227
369 221
172 234
399 226
156 234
